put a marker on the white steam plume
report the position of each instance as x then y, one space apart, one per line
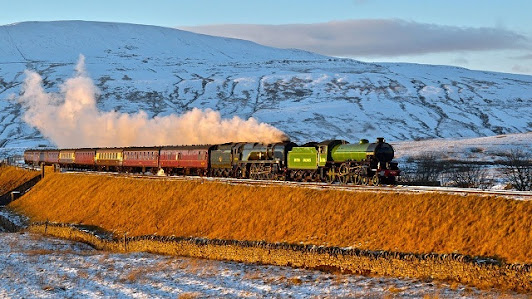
70 119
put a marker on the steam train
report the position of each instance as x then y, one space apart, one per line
330 161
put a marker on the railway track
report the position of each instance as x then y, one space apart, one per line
519 195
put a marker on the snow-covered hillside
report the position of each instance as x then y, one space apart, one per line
167 71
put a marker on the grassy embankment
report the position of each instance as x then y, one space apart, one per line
415 223
12 177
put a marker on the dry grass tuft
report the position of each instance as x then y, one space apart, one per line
295 280
34 252
418 223
395 290
189 295
135 275
12 177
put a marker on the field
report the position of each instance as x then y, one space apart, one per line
415 223
34 266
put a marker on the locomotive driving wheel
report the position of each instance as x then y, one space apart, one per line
253 172
343 174
357 179
263 172
268 173
331 175
238 173
375 180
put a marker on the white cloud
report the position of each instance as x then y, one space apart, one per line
521 69
372 38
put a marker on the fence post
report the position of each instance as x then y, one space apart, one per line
125 241
14 195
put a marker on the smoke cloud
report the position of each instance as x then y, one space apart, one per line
70 118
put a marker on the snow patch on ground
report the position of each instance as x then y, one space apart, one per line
487 149
34 266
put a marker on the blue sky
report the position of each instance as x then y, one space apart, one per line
487 35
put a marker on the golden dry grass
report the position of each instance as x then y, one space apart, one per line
419 223
12 177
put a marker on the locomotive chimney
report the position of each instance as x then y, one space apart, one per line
380 139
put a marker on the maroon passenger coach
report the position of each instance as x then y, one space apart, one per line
141 158
193 159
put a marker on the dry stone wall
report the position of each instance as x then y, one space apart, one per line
478 272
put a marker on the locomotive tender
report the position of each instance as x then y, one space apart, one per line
330 161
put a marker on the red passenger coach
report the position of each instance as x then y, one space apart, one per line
51 157
141 159
84 158
32 157
185 159
28 157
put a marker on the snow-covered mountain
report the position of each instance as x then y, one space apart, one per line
309 96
